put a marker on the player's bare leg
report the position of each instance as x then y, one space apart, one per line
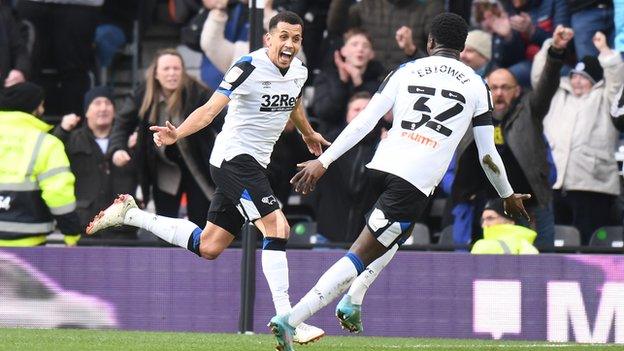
275 229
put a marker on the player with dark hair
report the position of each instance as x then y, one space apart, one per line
264 88
433 100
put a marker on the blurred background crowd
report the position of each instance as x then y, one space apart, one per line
97 74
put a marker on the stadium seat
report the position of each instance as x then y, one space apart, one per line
446 236
567 235
610 236
419 236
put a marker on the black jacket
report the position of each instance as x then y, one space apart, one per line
343 195
13 51
98 181
200 143
331 95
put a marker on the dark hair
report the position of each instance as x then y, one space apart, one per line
285 16
360 95
449 30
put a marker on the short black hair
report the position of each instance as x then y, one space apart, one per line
285 16
449 30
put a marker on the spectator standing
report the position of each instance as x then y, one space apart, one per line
98 180
518 136
36 184
64 32
235 15
583 138
168 94
588 17
14 56
353 70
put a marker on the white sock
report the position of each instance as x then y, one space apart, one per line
363 281
331 284
176 231
275 269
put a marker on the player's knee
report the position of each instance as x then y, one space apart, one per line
209 252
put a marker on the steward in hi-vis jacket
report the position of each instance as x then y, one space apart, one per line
36 184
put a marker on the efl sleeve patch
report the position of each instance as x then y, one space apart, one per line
236 75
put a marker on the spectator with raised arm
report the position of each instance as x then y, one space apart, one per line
98 180
583 139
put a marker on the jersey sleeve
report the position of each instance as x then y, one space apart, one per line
235 79
390 85
483 105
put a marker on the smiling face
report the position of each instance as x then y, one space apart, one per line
284 42
581 85
100 113
169 72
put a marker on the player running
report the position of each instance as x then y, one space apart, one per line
264 88
433 100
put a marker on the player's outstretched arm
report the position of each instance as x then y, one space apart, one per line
494 169
313 140
198 119
310 172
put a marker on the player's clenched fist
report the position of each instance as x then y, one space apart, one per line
166 135
562 36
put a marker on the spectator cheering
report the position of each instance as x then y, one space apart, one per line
583 139
352 71
98 180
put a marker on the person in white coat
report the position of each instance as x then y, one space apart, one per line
583 138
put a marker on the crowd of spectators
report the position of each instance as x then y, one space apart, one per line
557 104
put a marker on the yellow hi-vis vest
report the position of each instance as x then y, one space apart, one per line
36 182
506 239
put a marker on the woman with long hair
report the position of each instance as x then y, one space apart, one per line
168 94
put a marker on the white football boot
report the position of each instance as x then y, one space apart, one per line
305 334
112 216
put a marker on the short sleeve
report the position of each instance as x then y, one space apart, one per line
390 85
235 78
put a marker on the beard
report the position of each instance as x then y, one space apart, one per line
498 115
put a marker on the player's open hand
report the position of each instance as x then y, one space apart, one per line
514 206
166 135
309 173
315 143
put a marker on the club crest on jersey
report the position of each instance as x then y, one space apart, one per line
277 102
269 200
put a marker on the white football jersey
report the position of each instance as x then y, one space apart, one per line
435 100
262 99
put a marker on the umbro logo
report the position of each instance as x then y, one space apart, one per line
418 90
451 95
266 85
5 203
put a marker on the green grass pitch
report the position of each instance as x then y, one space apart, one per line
100 340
